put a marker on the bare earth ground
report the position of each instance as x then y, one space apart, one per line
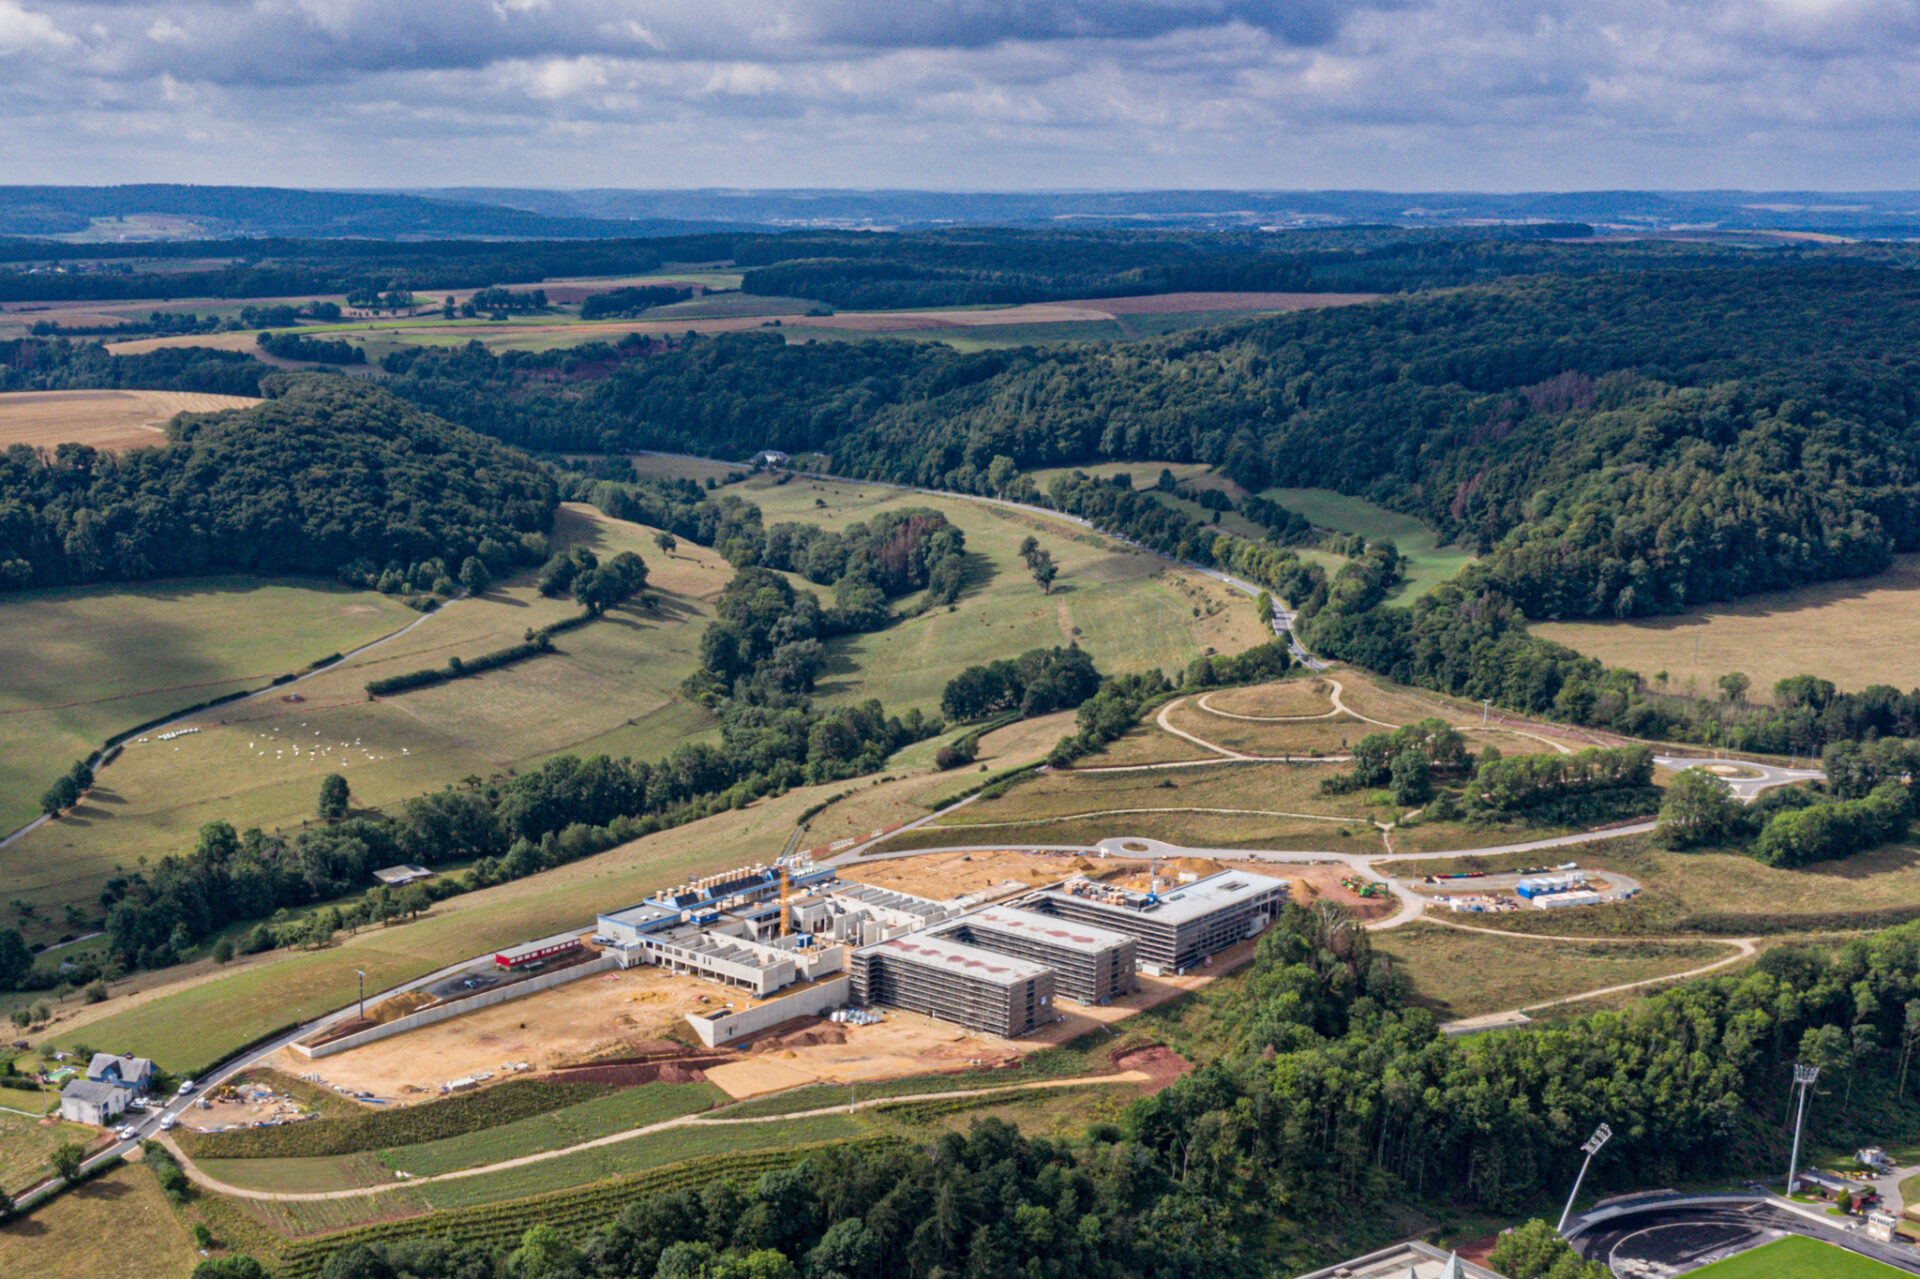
114 421
941 876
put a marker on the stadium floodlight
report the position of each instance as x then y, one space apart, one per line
1803 1077
1601 1136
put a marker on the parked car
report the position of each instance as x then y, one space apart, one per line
186 1086
124 1132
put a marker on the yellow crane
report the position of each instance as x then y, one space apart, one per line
786 898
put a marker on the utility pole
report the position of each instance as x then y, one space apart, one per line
1803 1077
1486 708
1601 1136
363 993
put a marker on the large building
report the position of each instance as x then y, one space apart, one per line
1176 929
1090 964
980 989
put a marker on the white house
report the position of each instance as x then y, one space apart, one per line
90 1101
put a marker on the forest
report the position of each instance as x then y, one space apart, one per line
1335 1087
334 477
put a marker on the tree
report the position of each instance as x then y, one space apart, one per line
1029 547
1699 810
542 1251
414 900
1535 1250
237 1266
67 1158
60 796
223 950
1734 686
1412 778
1044 571
666 541
1844 1202
95 992
16 961
1000 474
475 576
333 797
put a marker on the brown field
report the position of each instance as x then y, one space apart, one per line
1175 303
1290 699
111 420
1145 745
941 876
1854 633
116 1224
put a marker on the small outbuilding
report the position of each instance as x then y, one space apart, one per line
1814 1181
91 1101
395 876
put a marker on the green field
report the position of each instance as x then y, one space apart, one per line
1428 563
1128 609
118 1224
612 687
630 1108
27 1144
1798 1257
88 662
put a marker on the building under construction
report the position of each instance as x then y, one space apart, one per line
980 989
1090 964
1176 929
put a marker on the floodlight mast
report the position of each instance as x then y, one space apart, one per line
1803 1077
1601 1136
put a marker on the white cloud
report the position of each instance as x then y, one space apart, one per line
25 31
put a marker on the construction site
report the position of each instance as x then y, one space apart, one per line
790 974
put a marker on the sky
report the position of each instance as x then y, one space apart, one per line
1415 95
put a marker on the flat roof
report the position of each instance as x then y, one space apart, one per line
938 952
1067 934
887 899
1188 902
643 913
545 946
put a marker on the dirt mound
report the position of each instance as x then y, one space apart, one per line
687 1070
400 1006
1159 1063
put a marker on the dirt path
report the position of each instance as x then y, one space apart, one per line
1743 948
199 1177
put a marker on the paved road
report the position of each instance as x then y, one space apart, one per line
1746 778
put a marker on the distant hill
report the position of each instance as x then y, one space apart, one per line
195 212
1866 214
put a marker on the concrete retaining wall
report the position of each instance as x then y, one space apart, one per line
441 1012
822 996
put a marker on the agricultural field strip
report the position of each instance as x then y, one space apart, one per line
679 1121
279 689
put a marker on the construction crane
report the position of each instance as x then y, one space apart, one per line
786 899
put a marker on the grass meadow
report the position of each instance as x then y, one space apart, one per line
1429 563
612 688
1126 608
93 661
115 1224
1462 974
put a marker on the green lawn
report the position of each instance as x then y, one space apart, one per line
1429 563
1797 1257
26 1145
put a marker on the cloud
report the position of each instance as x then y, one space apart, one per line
1408 94
24 31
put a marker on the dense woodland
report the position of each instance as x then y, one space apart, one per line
333 477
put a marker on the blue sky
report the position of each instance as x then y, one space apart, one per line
965 94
